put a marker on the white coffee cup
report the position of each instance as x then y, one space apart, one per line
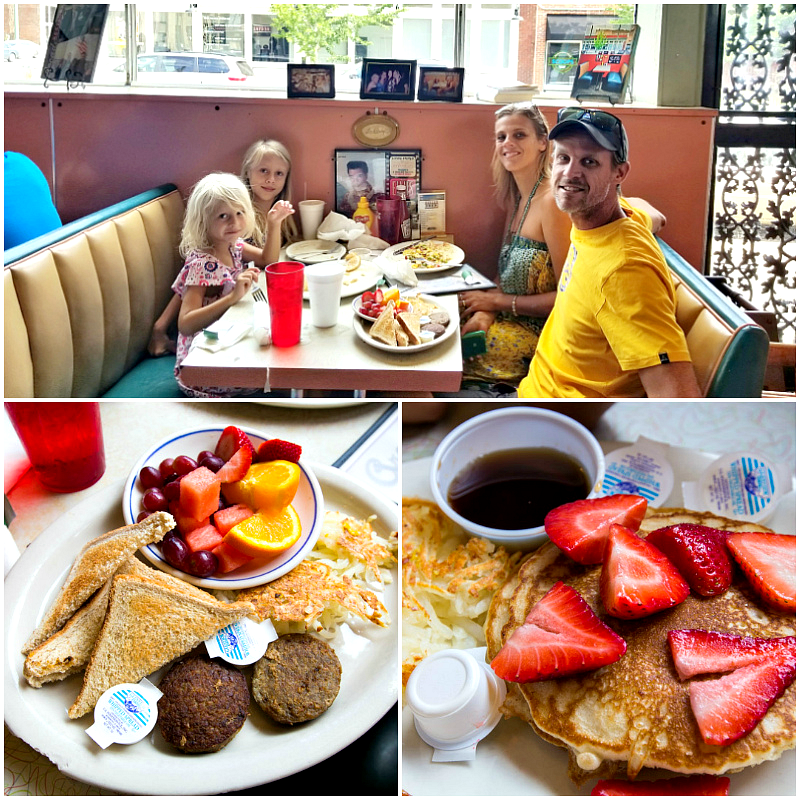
311 212
325 291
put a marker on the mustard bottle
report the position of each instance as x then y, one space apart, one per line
365 214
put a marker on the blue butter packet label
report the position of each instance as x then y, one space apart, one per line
242 642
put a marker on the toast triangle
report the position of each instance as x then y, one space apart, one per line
383 327
68 650
147 626
97 561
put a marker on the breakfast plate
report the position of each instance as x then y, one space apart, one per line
399 252
362 327
529 765
261 752
313 251
308 504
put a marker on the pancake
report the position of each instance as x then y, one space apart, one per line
635 713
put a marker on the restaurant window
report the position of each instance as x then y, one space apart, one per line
223 33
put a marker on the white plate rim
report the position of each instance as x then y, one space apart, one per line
145 768
424 778
390 254
269 571
338 250
452 327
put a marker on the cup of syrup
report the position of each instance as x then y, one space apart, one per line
498 474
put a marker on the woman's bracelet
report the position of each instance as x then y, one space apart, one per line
514 304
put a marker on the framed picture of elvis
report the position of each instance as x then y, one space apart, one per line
371 173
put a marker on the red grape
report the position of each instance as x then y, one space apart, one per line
183 465
202 563
142 515
172 490
166 467
212 462
203 454
154 500
176 552
150 477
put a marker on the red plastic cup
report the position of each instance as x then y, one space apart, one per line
64 442
285 294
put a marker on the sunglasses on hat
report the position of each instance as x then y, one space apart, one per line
602 120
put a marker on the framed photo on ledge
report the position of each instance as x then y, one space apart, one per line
310 80
387 79
436 83
74 42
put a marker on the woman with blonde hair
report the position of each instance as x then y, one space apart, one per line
533 251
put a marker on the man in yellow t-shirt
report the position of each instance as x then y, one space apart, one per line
612 331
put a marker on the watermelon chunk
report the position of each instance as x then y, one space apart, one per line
229 557
226 518
205 538
185 523
200 493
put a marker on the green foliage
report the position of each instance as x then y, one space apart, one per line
312 27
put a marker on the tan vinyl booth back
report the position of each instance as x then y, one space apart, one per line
80 302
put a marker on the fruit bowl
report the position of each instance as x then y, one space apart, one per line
308 503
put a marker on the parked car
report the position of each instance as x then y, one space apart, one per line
197 68
19 48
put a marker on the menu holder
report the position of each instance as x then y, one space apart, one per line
74 43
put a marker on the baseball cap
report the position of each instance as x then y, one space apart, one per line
606 129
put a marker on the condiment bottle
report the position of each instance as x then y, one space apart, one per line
364 213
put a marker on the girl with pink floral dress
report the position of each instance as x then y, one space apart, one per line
219 217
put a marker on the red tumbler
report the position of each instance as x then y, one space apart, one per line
64 442
285 295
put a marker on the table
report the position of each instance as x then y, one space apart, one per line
326 358
327 432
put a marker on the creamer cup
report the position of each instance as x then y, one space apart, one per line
242 642
125 713
744 485
642 469
455 699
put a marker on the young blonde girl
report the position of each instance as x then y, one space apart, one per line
219 218
266 168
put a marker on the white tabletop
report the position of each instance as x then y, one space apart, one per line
327 358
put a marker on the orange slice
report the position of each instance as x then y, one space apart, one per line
267 486
266 533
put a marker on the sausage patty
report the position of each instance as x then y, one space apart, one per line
297 678
204 705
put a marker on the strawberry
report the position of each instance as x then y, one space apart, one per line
636 578
696 785
699 652
580 529
560 636
231 440
769 560
730 707
279 450
235 468
700 555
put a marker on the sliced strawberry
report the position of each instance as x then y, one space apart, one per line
636 578
730 707
580 529
230 440
769 560
235 468
700 555
700 652
560 636
696 785
279 450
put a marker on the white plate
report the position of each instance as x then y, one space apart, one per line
526 764
307 502
362 326
262 751
394 253
312 251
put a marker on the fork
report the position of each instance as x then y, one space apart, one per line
259 296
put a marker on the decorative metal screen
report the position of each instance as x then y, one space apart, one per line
754 211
